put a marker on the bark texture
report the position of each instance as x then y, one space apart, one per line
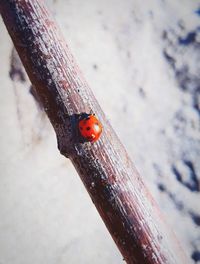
114 185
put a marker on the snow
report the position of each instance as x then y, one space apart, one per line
142 62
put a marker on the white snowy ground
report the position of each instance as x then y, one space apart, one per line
142 60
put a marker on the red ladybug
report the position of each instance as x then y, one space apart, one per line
90 128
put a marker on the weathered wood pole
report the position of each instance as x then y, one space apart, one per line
114 185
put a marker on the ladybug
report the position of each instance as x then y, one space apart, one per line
89 127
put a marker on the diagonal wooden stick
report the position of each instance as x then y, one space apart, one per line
115 187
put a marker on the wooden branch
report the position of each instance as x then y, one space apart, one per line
115 187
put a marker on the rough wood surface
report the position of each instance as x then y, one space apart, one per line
115 187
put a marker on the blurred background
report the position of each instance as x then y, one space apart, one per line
142 61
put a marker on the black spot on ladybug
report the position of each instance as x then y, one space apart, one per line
88 128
